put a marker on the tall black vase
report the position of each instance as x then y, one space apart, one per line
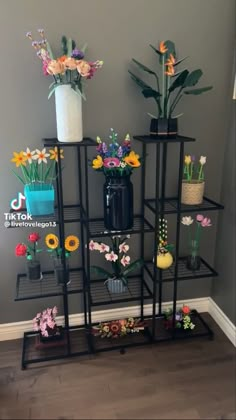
118 203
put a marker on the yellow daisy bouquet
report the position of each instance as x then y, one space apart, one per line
115 159
35 166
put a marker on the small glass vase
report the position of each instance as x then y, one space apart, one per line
62 276
33 269
193 262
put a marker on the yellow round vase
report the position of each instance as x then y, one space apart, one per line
164 260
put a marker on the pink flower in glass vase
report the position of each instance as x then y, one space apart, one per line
125 260
199 217
206 222
111 257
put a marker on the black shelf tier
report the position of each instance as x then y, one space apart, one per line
97 227
171 206
201 329
168 275
47 287
52 142
130 340
170 139
79 343
100 295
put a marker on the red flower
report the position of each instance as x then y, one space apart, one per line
21 250
186 310
115 327
33 237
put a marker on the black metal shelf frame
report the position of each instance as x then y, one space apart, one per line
141 288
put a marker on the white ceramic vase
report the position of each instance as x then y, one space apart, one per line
68 114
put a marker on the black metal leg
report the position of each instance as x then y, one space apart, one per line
143 177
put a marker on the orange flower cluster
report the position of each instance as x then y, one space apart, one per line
170 63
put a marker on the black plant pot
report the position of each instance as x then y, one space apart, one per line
56 335
193 262
34 270
164 127
118 203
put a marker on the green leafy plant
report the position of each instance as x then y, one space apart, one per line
170 84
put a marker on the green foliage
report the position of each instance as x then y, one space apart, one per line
179 81
144 68
150 93
197 91
193 78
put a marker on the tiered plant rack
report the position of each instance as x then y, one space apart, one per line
142 288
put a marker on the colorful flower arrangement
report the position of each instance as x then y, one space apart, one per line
182 318
71 244
117 329
34 165
115 159
70 68
29 251
169 81
116 254
45 322
192 170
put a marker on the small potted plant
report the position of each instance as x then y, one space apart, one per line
45 323
116 254
193 260
182 318
170 86
164 257
37 176
62 274
117 162
193 183
118 329
69 72
30 251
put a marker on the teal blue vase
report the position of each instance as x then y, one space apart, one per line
39 199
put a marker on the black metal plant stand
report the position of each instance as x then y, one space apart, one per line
142 288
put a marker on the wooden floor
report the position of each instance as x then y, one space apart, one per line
182 380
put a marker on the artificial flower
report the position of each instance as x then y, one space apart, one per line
111 256
76 53
54 154
186 310
199 217
55 67
111 162
104 248
123 247
187 160
187 220
98 162
125 260
123 165
33 237
71 243
21 250
206 222
162 47
62 59
132 159
202 160
83 68
115 327
94 246
52 241
170 71
70 63
170 61
41 156
29 155
19 159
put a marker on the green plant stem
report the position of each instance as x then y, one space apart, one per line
200 174
163 84
176 100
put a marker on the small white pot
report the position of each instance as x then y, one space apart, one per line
68 114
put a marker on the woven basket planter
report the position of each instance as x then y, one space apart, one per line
192 192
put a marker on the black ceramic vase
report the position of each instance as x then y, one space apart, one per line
164 127
118 203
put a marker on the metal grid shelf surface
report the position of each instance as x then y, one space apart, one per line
171 206
100 294
87 141
183 273
79 345
170 139
97 227
47 287
130 340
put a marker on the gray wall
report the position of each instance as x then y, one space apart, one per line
224 286
115 32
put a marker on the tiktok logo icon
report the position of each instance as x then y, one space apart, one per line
18 202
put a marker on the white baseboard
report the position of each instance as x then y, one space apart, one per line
15 330
223 321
